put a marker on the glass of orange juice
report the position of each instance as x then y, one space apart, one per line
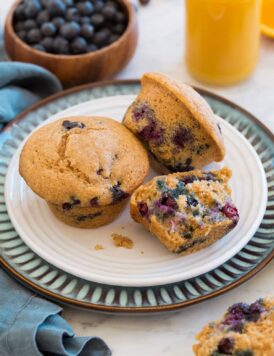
222 39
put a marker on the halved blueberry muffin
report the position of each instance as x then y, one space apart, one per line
82 167
175 123
186 211
244 330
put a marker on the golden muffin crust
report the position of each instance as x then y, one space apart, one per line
175 123
83 162
245 330
186 211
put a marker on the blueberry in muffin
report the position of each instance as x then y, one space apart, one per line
244 330
186 211
175 123
82 167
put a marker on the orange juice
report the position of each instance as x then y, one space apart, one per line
222 39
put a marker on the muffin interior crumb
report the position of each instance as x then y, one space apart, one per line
122 241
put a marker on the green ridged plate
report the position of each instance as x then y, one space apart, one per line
53 283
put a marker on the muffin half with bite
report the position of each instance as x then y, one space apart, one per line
186 211
84 167
175 123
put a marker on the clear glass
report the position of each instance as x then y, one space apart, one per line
222 39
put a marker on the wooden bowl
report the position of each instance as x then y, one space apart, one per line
77 69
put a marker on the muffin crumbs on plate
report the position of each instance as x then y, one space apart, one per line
122 241
98 247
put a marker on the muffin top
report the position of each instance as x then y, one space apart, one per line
83 161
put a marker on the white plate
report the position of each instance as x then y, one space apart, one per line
148 263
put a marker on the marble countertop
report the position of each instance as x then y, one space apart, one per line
160 48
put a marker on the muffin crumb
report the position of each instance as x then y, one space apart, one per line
122 241
98 247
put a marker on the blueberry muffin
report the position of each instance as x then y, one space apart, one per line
84 167
245 330
175 123
186 211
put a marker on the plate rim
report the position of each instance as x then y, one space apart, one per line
114 308
20 230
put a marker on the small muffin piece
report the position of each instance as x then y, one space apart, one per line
84 167
245 330
175 123
186 211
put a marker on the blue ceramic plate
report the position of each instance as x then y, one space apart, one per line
59 285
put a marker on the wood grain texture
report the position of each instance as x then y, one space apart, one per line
77 69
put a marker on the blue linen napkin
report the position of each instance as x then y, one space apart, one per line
21 85
29 325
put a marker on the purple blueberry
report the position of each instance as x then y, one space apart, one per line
142 111
166 204
93 202
42 17
117 193
78 45
182 137
60 45
143 209
87 30
231 212
85 8
70 30
72 14
56 7
97 20
34 36
47 43
255 311
151 132
109 12
101 37
32 8
19 12
98 6
72 124
58 21
225 345
48 29
29 24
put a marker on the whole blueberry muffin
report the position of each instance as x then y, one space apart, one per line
175 123
84 167
186 211
244 330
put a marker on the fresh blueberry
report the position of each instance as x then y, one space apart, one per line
91 47
97 20
78 45
120 17
42 17
101 37
34 36
19 26
231 212
30 24
87 30
32 8
119 28
22 35
39 47
72 124
111 3
85 8
60 45
98 6
56 7
58 21
113 38
70 30
19 12
117 193
225 345
109 12
182 137
69 2
143 209
47 43
48 29
72 14
84 20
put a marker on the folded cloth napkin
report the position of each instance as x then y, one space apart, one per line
21 85
29 325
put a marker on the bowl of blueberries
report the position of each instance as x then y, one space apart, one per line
80 41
